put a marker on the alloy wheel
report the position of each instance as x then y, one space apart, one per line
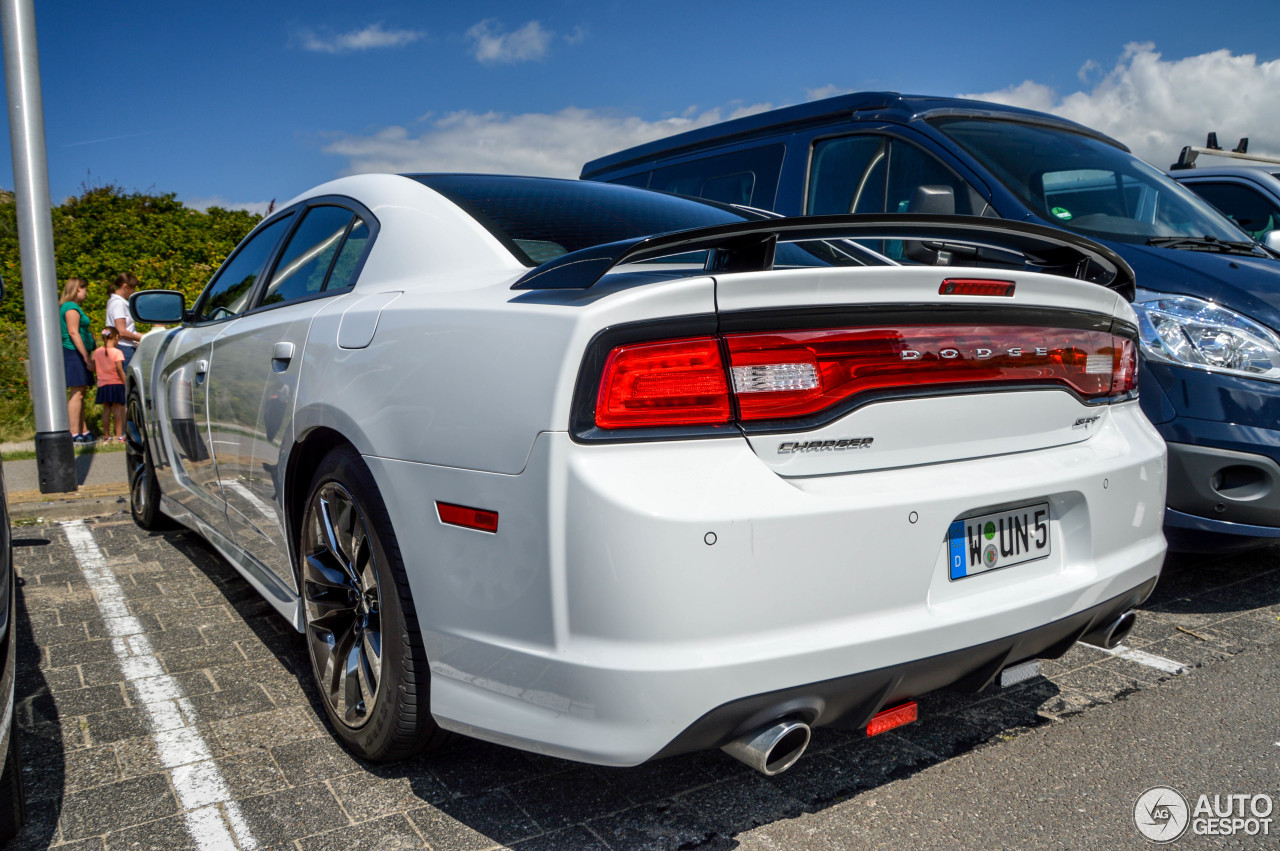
342 597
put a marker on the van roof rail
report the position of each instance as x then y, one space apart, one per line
1187 159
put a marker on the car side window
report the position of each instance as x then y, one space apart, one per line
304 264
347 266
1247 207
228 293
878 174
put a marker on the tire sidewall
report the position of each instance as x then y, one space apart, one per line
146 519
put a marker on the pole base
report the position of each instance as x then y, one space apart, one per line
55 462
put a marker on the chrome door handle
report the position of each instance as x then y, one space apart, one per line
281 355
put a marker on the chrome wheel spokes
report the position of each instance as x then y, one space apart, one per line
342 599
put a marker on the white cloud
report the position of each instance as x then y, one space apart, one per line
493 44
1156 106
259 207
545 144
828 91
372 36
1087 70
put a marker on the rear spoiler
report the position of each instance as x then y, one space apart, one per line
950 240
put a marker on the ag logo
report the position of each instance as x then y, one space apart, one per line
1161 814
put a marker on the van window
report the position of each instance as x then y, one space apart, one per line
747 177
848 176
1085 184
877 174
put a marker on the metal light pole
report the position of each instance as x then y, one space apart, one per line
55 460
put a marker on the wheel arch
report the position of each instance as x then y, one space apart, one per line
303 460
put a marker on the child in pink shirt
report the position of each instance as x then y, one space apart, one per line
108 362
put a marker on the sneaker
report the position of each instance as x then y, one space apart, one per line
82 438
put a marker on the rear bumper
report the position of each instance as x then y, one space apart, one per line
632 589
852 701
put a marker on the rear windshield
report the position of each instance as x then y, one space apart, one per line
539 219
1086 185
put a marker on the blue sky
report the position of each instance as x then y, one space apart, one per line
241 102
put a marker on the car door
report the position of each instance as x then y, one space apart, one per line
191 474
256 364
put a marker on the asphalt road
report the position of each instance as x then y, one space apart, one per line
162 705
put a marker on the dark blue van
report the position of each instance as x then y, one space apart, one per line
1208 299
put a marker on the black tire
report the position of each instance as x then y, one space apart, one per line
144 489
13 808
361 627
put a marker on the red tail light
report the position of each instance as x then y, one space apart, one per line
786 374
854 361
681 382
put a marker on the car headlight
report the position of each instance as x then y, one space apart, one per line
1197 333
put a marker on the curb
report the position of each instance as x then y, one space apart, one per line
90 501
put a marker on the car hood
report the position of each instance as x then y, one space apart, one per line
1248 285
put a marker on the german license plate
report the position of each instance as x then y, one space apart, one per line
1003 539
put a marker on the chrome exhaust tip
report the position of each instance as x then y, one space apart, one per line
771 749
1113 633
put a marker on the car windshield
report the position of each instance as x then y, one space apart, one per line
540 219
1086 185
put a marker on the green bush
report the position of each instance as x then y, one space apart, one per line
97 235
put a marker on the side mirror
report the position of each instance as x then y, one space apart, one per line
1271 239
164 307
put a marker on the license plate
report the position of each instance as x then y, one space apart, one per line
1003 539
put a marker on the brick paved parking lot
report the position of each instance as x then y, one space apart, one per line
163 705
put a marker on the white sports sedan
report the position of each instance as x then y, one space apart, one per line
610 474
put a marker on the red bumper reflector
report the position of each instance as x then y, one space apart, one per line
974 286
469 518
886 719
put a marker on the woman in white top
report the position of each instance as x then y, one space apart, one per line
118 316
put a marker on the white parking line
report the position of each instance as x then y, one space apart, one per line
1149 659
179 745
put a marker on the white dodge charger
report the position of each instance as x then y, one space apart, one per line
610 474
